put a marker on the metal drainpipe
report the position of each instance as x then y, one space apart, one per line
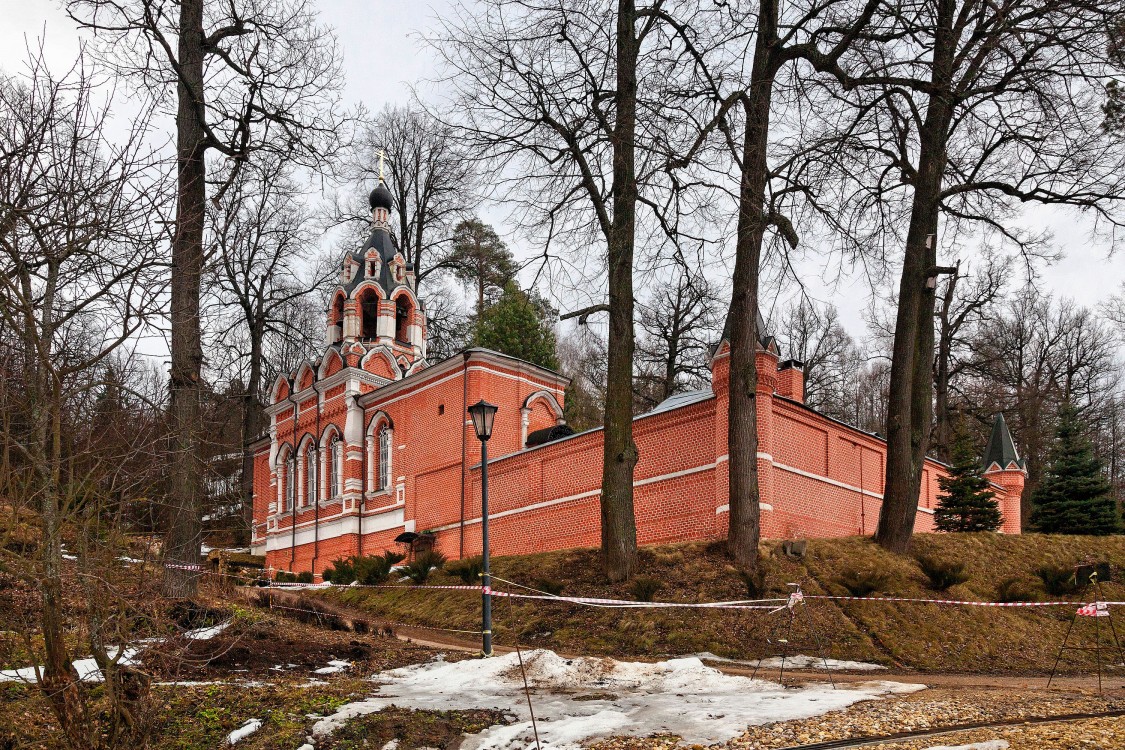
464 455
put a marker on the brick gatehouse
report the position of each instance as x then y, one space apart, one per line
372 444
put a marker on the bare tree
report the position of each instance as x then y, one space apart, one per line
678 325
556 92
1032 356
80 279
813 335
427 170
741 101
961 308
260 241
964 112
249 78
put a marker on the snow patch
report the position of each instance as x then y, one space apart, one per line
247 729
334 666
206 634
800 661
990 745
797 661
585 698
87 669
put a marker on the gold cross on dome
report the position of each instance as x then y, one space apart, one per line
382 157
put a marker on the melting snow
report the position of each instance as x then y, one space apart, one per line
87 669
206 634
334 666
247 729
580 699
990 745
800 661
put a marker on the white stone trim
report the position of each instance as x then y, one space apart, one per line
334 528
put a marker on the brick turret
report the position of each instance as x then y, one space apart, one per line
1003 467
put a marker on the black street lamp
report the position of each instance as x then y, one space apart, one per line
483 413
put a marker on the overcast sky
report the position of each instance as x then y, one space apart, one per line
382 57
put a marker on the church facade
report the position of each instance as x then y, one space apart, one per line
370 447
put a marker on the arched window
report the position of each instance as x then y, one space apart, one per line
290 483
402 320
338 316
369 310
384 458
310 474
335 459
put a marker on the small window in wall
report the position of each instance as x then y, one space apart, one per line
441 409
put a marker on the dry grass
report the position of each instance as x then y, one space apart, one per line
917 636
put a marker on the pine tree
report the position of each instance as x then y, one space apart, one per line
966 503
1075 495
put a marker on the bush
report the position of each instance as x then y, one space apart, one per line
1058 581
1014 590
942 573
425 563
549 586
644 589
305 576
342 572
468 570
284 577
863 581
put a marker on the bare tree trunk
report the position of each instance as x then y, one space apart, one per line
744 517
619 530
181 553
943 427
251 421
910 403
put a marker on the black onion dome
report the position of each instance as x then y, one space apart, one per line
381 197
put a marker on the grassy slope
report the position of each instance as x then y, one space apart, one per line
924 637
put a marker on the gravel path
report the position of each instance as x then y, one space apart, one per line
933 708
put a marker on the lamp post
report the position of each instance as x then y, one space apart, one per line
483 414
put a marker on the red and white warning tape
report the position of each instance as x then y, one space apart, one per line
1096 609
956 602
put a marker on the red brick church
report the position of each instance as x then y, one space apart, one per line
370 447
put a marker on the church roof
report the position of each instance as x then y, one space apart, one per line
1001 448
382 241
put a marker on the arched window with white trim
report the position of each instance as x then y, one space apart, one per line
290 483
310 474
335 461
384 475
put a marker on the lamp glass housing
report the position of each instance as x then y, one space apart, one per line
483 414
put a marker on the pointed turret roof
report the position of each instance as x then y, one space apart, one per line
1001 448
763 338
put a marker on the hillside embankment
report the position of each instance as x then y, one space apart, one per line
900 635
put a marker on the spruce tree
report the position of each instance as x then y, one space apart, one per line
966 503
519 324
1075 495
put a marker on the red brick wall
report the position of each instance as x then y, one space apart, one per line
818 477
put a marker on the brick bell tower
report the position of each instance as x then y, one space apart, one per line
376 305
